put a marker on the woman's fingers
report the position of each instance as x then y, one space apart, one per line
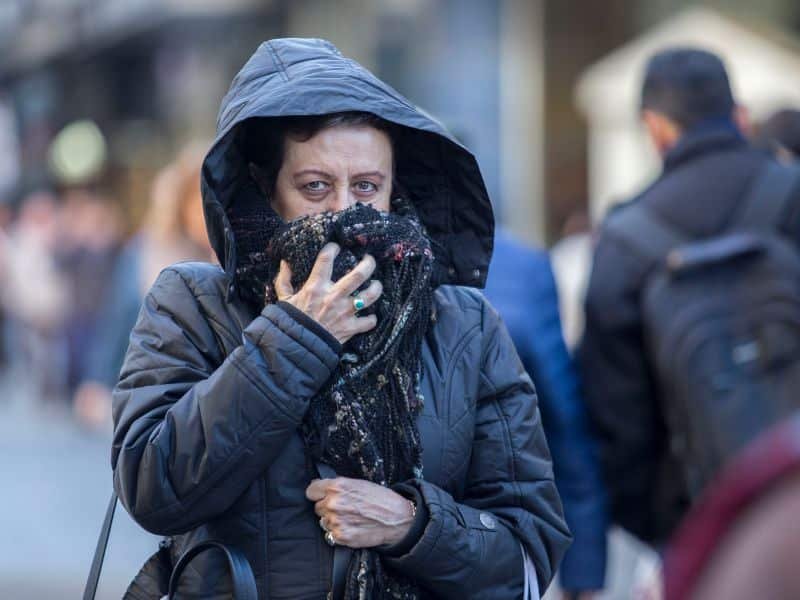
371 294
283 282
317 489
355 278
322 271
360 514
333 305
364 324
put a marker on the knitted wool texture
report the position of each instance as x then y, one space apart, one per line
363 423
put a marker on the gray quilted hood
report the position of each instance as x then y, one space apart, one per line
293 76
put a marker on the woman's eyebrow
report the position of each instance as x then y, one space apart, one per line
312 172
379 174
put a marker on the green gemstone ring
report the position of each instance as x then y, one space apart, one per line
358 303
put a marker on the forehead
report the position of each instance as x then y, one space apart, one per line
343 145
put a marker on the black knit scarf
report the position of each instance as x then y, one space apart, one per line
363 423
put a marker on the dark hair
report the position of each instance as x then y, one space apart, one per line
781 130
266 139
688 85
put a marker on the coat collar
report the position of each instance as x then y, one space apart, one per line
707 137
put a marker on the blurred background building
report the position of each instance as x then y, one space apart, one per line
502 75
97 96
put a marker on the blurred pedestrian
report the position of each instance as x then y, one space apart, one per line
522 289
686 310
780 134
36 295
88 244
334 404
173 231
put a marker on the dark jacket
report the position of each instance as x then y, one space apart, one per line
704 181
522 288
211 394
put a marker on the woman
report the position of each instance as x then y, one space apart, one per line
243 384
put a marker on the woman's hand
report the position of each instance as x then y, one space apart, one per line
331 304
359 513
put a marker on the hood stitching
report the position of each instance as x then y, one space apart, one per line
390 100
278 61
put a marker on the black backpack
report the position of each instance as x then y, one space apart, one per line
721 320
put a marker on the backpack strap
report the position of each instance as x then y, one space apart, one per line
644 232
100 552
767 199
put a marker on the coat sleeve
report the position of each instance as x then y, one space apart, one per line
193 428
472 548
620 391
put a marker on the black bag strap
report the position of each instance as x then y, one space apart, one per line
341 554
100 551
244 583
644 232
768 197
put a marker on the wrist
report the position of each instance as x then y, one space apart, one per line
416 526
311 324
407 514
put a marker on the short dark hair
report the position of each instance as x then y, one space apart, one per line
266 138
688 85
303 128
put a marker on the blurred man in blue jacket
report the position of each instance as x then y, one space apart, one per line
522 289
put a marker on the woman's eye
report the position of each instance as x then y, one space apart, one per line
316 186
366 187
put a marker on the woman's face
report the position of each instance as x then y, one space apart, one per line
333 170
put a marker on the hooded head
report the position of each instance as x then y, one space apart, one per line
303 77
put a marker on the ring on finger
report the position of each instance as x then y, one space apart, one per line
329 538
359 303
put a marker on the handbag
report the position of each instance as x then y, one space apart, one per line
158 570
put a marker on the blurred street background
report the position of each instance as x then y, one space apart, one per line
106 109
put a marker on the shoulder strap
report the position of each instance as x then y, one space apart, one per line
244 583
768 197
341 554
100 552
646 234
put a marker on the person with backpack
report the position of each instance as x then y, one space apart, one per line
692 341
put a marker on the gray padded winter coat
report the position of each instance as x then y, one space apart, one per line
206 413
